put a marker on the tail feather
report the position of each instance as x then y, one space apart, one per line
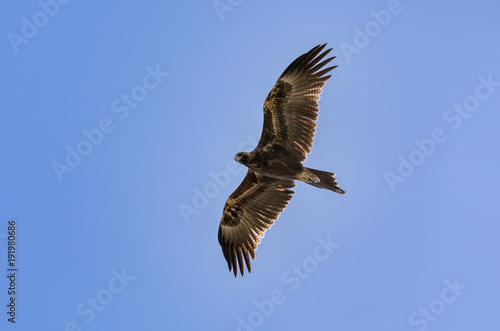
326 180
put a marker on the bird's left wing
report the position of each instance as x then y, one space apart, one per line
248 213
291 108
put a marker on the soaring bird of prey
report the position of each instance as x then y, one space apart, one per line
290 112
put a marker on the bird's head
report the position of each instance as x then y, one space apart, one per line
242 157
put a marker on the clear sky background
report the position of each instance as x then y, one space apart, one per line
119 123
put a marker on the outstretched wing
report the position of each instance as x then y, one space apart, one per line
248 213
291 108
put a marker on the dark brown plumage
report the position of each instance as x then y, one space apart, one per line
290 112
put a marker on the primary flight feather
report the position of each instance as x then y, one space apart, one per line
290 113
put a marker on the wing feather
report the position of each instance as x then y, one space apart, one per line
291 108
248 213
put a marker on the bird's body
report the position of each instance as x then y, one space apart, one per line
290 112
275 162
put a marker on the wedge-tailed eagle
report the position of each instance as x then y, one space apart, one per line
290 112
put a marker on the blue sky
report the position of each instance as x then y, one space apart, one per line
120 122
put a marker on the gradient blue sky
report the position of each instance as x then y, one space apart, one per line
159 96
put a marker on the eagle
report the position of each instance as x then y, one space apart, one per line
290 113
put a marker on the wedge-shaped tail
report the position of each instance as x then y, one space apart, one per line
326 180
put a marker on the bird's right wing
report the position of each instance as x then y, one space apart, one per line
248 213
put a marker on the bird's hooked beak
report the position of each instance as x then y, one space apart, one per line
240 157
